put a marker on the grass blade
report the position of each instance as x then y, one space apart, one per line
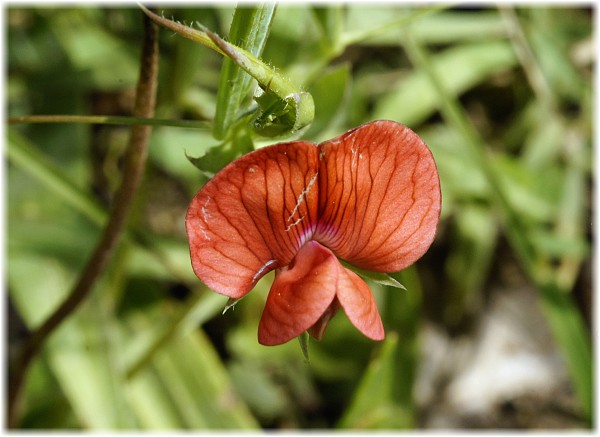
249 29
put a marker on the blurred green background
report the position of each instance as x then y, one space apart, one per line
494 328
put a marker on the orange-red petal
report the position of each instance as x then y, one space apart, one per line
359 304
300 295
253 216
307 296
379 196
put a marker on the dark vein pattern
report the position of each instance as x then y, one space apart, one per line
379 199
253 216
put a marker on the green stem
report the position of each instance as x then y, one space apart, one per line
271 81
250 28
109 119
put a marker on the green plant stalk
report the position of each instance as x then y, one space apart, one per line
185 31
563 317
270 80
109 120
134 167
250 28
265 75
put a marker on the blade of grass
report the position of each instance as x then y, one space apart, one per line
197 310
29 159
452 111
188 375
249 30
464 67
360 36
534 73
25 156
79 352
285 108
331 22
373 405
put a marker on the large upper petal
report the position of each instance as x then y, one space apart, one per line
379 196
253 216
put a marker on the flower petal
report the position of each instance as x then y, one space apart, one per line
359 304
379 199
253 216
299 296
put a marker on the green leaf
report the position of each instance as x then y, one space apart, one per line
572 336
437 27
218 157
249 29
169 147
200 385
198 309
380 278
303 339
564 318
460 68
469 260
330 90
373 405
187 378
330 20
267 397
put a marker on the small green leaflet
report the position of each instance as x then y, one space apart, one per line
380 278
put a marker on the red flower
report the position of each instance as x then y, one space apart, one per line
370 196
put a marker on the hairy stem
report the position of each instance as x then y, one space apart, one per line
134 167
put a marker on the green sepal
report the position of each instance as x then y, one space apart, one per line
231 302
303 340
222 154
282 117
250 28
